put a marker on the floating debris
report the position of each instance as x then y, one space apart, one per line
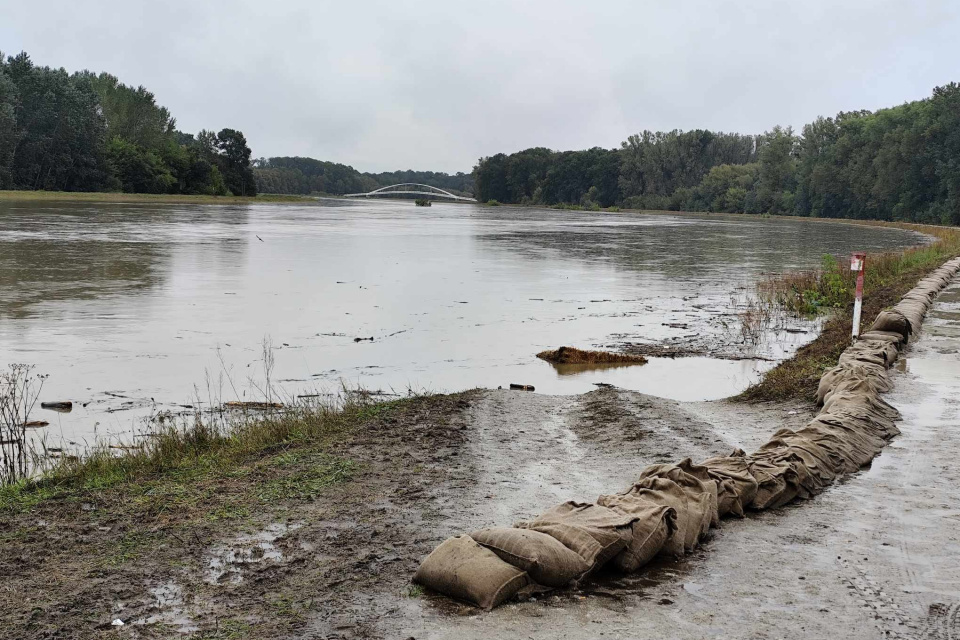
247 404
65 406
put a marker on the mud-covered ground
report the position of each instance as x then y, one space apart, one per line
875 556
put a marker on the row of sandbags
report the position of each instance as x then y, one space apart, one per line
672 506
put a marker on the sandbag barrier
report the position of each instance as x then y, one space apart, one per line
672 506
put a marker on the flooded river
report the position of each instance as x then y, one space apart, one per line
134 309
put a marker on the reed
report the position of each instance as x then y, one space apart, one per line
19 389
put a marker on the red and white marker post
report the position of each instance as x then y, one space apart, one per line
856 264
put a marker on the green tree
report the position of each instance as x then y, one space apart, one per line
235 162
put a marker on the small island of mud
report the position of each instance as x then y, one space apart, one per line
571 355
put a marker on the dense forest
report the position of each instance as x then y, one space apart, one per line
901 163
88 132
306 175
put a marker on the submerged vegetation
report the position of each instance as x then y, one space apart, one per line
211 445
887 277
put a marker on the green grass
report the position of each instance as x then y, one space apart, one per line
322 471
158 198
887 278
176 471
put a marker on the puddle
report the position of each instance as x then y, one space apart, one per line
227 561
167 608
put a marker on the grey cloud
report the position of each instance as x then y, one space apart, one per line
436 85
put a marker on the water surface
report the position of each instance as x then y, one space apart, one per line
137 308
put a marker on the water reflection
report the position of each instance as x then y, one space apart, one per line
58 252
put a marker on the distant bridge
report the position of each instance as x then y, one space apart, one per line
409 189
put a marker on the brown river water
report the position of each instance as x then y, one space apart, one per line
136 309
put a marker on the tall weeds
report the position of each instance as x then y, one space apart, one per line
19 390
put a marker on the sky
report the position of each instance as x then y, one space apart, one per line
437 84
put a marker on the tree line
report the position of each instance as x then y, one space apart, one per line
296 175
90 132
900 163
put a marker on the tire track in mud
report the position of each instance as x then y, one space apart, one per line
532 452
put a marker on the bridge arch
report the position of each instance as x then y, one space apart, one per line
410 188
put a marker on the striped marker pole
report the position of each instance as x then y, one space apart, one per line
856 264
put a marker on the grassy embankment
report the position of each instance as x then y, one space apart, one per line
161 198
888 277
186 469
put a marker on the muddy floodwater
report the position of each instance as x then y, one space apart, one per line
135 309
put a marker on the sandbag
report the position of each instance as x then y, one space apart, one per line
849 448
863 388
778 482
692 477
736 486
594 532
545 559
892 321
462 569
655 523
879 352
889 336
817 470
693 500
851 397
873 374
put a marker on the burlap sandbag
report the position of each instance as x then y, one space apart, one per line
595 533
875 375
892 321
850 397
889 336
778 482
694 501
462 569
654 525
736 486
861 422
879 352
849 448
913 311
545 559
693 477
817 470
851 392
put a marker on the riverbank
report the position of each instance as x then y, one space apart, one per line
888 278
147 198
315 527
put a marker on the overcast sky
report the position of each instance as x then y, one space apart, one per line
436 84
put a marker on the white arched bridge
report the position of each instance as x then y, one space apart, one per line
409 189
